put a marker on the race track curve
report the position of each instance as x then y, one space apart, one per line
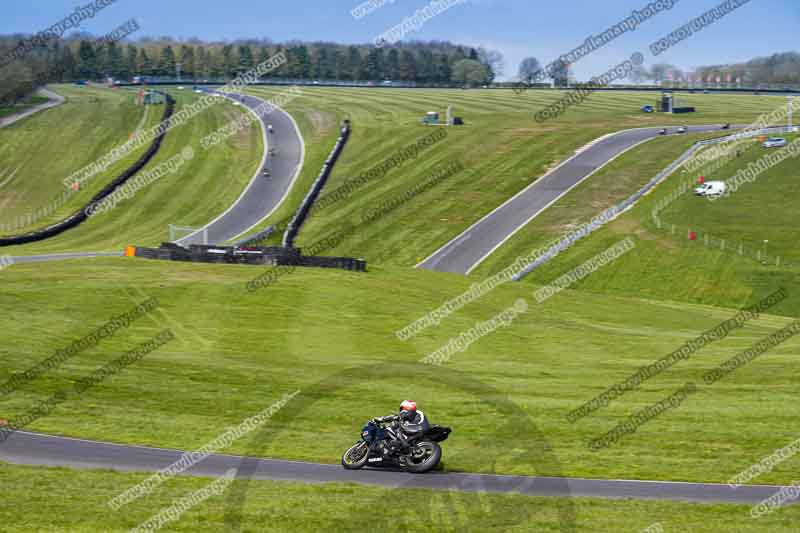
261 197
284 152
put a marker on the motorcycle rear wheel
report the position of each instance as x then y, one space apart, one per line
425 456
356 456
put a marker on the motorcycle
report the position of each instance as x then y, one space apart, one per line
663 131
381 445
726 127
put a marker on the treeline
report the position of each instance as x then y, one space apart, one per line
78 58
778 70
781 68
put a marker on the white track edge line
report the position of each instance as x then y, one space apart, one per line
573 156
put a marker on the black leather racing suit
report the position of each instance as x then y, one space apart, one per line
409 423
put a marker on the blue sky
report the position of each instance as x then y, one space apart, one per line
517 28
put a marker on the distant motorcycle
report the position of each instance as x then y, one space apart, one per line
381 445
726 127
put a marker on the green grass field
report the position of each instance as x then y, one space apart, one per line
238 352
45 499
759 211
193 195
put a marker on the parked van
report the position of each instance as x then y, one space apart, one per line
712 189
775 142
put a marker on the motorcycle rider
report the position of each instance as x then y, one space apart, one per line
410 421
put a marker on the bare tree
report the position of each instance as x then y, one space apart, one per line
494 60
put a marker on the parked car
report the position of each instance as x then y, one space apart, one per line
775 142
711 189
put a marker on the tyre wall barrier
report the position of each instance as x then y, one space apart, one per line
270 255
80 216
342 263
293 228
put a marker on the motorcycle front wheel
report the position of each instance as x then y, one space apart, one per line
424 456
356 456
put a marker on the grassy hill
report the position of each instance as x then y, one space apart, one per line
236 352
501 147
40 152
193 195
